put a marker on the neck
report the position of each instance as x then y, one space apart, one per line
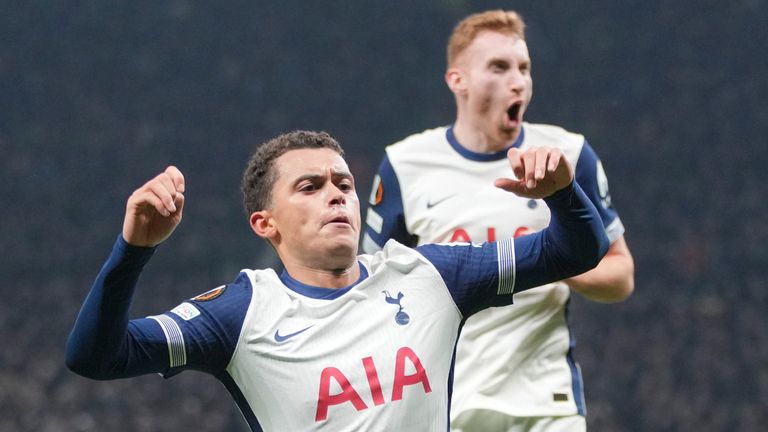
323 276
474 138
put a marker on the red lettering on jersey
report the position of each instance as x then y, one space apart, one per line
373 381
522 231
460 236
325 399
402 380
348 394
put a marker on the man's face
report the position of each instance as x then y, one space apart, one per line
315 209
496 68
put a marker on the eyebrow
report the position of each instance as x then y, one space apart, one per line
315 177
497 60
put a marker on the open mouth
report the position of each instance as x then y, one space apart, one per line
513 112
339 219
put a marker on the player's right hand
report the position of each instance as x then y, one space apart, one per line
540 172
154 210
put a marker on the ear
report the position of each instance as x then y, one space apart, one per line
454 78
263 224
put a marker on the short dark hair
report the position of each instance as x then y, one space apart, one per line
259 176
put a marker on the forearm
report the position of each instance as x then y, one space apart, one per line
613 280
98 344
573 243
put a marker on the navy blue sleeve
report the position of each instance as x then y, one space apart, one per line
471 273
590 175
98 346
105 344
385 217
480 276
207 328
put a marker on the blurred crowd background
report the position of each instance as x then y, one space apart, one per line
97 97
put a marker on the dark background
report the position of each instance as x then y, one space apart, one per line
97 97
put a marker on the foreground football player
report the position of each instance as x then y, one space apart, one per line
337 341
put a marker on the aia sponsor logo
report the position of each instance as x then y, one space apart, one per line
405 359
460 235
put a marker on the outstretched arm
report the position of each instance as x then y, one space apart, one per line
575 238
574 241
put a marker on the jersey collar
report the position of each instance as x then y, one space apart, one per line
481 157
318 292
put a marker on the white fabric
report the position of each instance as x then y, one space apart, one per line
361 318
511 359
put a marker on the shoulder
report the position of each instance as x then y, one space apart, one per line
570 143
226 300
396 256
238 294
262 284
545 134
417 144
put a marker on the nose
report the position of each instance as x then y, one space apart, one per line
516 81
338 201
337 197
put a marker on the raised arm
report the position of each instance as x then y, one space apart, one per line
486 275
575 238
100 345
154 210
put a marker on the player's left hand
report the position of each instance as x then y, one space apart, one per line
540 172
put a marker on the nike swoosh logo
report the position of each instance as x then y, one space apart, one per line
434 203
283 338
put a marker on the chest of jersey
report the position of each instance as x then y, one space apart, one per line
458 203
447 197
367 358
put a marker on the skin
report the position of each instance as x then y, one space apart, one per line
491 75
314 219
154 210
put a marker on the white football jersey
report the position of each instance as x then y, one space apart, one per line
373 356
516 359
385 375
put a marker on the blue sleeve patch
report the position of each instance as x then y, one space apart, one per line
385 218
